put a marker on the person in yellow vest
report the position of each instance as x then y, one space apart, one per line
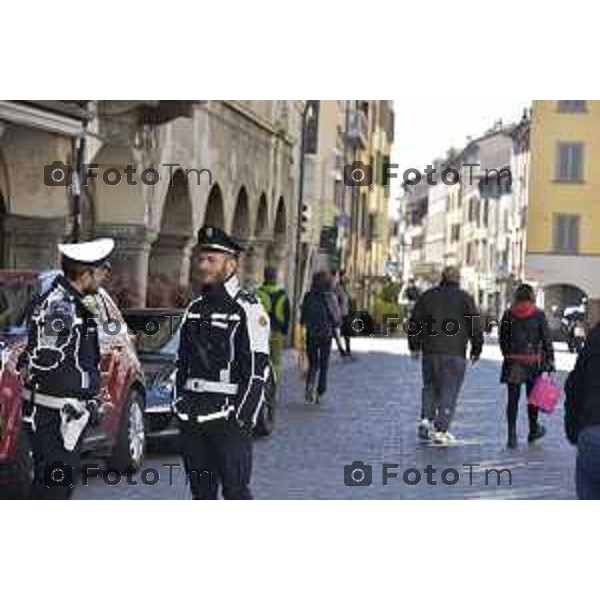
275 301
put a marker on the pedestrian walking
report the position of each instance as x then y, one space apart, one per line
318 317
277 305
582 416
411 294
343 298
222 373
60 367
527 350
444 321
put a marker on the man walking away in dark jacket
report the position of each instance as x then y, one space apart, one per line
527 349
316 315
582 416
445 319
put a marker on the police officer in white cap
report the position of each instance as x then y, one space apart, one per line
61 368
222 371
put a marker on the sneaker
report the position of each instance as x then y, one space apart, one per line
309 396
537 433
424 429
442 438
512 440
319 398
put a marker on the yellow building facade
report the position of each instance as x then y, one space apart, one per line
563 213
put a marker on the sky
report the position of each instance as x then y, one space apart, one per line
425 129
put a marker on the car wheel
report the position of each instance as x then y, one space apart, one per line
16 477
130 446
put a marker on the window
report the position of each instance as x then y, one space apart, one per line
455 233
574 106
372 226
473 209
566 234
312 128
569 165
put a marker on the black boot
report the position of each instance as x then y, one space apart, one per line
536 432
512 436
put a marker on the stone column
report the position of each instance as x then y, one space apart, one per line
260 258
246 264
170 255
129 278
276 255
31 242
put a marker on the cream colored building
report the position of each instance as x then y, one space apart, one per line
371 136
249 147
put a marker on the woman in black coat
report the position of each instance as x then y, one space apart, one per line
320 315
527 350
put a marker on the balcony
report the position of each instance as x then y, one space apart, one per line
358 129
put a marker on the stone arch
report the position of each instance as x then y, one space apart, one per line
214 213
240 224
556 297
169 261
262 237
241 231
262 217
278 248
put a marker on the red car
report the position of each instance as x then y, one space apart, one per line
120 437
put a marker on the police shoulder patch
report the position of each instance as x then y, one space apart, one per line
258 326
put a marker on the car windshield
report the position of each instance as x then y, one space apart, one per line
156 334
19 288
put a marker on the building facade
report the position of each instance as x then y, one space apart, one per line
563 246
162 169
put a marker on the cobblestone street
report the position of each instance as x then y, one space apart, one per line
370 415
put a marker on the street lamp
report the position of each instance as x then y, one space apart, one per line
307 114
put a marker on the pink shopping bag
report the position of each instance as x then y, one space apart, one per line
545 393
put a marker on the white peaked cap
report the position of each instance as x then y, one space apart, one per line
89 253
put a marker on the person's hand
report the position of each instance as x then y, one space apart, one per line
93 407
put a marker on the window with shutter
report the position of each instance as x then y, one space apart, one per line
569 165
566 234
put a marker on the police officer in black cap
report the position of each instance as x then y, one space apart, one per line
222 371
60 367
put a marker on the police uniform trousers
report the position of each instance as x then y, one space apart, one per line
217 453
56 470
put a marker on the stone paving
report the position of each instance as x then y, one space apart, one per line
370 415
